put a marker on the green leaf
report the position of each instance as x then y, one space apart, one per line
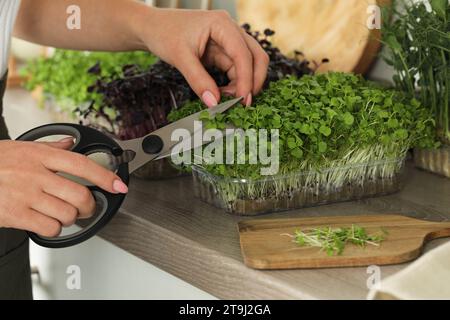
210 125
399 108
393 123
287 93
266 111
415 103
331 113
383 114
371 133
297 153
388 102
326 131
276 123
393 43
385 139
401 134
335 102
323 147
305 129
440 7
349 119
291 143
204 116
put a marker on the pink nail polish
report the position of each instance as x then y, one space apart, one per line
66 140
120 187
209 99
229 93
249 100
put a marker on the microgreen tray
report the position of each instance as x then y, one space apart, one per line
299 190
436 161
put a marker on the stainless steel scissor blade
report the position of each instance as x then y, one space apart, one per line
165 135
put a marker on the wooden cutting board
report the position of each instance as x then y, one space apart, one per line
333 29
264 243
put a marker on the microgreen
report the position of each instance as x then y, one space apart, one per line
334 240
419 41
336 129
64 76
320 128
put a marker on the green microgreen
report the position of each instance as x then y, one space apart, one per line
334 240
64 76
418 37
335 130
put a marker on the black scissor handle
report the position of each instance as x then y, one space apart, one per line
88 141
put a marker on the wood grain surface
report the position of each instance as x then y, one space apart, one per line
163 224
268 244
333 29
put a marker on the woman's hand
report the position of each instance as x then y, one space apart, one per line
34 198
192 39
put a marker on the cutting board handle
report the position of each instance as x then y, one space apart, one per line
439 230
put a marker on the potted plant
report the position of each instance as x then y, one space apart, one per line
60 81
340 138
418 37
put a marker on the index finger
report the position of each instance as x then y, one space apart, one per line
81 166
233 43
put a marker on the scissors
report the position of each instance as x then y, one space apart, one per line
155 146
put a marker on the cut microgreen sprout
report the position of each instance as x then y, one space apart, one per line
334 240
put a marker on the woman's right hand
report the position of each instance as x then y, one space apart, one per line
193 39
34 198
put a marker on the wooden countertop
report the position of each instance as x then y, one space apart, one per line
162 223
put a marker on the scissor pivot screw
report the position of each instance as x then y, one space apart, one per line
153 145
117 152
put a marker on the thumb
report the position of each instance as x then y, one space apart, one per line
66 143
199 80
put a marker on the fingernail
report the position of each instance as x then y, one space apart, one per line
66 140
229 93
209 99
249 100
120 187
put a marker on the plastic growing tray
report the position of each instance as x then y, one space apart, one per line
300 189
436 161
